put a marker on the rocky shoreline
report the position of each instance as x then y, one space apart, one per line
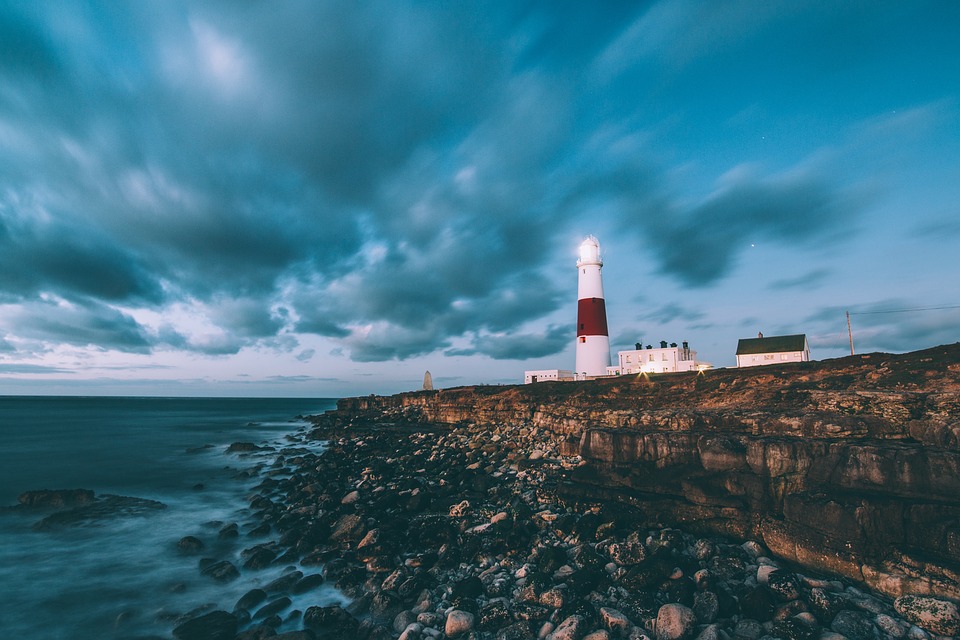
460 532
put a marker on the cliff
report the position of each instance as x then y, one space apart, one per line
849 466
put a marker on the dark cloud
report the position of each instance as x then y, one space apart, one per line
518 346
79 324
808 280
699 245
672 311
306 355
31 369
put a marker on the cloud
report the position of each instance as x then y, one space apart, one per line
306 355
81 324
518 346
31 369
698 244
809 280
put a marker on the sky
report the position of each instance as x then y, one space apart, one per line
330 198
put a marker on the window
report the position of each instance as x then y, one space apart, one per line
768 356
583 338
663 356
650 358
783 356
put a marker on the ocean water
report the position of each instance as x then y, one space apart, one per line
123 576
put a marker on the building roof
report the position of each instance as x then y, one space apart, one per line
773 344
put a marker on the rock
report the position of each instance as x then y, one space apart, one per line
935 615
706 607
675 622
251 599
792 629
458 623
856 625
242 447
222 571
494 615
56 498
349 528
307 583
350 498
284 583
216 625
272 608
332 620
258 557
572 628
601 634
627 554
516 631
748 629
103 508
615 622
190 544
783 585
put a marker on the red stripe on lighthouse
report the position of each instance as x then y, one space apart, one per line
591 317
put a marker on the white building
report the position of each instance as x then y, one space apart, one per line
755 352
666 359
547 375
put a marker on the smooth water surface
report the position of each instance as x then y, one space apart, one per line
123 576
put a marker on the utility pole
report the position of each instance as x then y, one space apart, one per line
850 333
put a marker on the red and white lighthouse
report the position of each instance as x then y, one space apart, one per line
593 340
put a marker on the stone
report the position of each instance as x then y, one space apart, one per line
856 625
572 628
627 554
333 620
307 583
216 625
258 557
706 606
251 599
349 528
935 615
615 622
190 544
494 615
675 622
222 571
272 608
350 498
56 498
600 634
748 629
783 585
458 623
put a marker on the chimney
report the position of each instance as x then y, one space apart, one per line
663 344
638 346
759 334
685 345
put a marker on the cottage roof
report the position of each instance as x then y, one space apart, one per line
773 344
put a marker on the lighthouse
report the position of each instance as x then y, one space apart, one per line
593 340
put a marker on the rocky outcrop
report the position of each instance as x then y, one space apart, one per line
850 466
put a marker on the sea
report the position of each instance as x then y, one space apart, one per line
122 576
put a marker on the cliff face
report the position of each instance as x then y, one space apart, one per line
850 466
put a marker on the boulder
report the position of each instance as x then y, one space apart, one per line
938 616
675 622
216 625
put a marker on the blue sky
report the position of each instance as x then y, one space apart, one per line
303 198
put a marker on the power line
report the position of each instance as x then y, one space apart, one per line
864 313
